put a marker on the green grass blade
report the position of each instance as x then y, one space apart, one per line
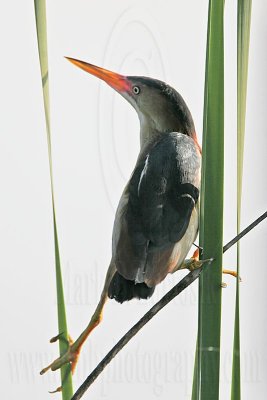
243 34
40 15
207 367
197 376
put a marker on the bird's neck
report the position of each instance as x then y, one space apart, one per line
147 132
151 129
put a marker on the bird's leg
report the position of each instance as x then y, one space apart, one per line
73 352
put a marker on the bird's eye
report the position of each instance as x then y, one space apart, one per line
136 89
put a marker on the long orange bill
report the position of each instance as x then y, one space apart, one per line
116 81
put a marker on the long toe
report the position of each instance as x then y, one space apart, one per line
59 389
233 273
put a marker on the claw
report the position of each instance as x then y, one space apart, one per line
60 336
59 389
44 370
56 338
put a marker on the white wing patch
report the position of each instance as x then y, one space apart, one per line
143 173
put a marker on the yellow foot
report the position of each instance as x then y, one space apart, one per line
229 272
233 273
193 263
71 356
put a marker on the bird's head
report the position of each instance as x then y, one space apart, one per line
160 108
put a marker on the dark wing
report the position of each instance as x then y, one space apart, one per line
159 201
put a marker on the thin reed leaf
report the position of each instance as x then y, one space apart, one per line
40 15
197 376
207 363
243 34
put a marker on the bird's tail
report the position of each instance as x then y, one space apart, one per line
122 289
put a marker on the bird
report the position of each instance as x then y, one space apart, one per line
157 217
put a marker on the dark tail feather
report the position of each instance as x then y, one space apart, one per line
122 289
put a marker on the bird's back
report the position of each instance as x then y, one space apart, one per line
157 210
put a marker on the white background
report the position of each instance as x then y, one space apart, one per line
95 144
